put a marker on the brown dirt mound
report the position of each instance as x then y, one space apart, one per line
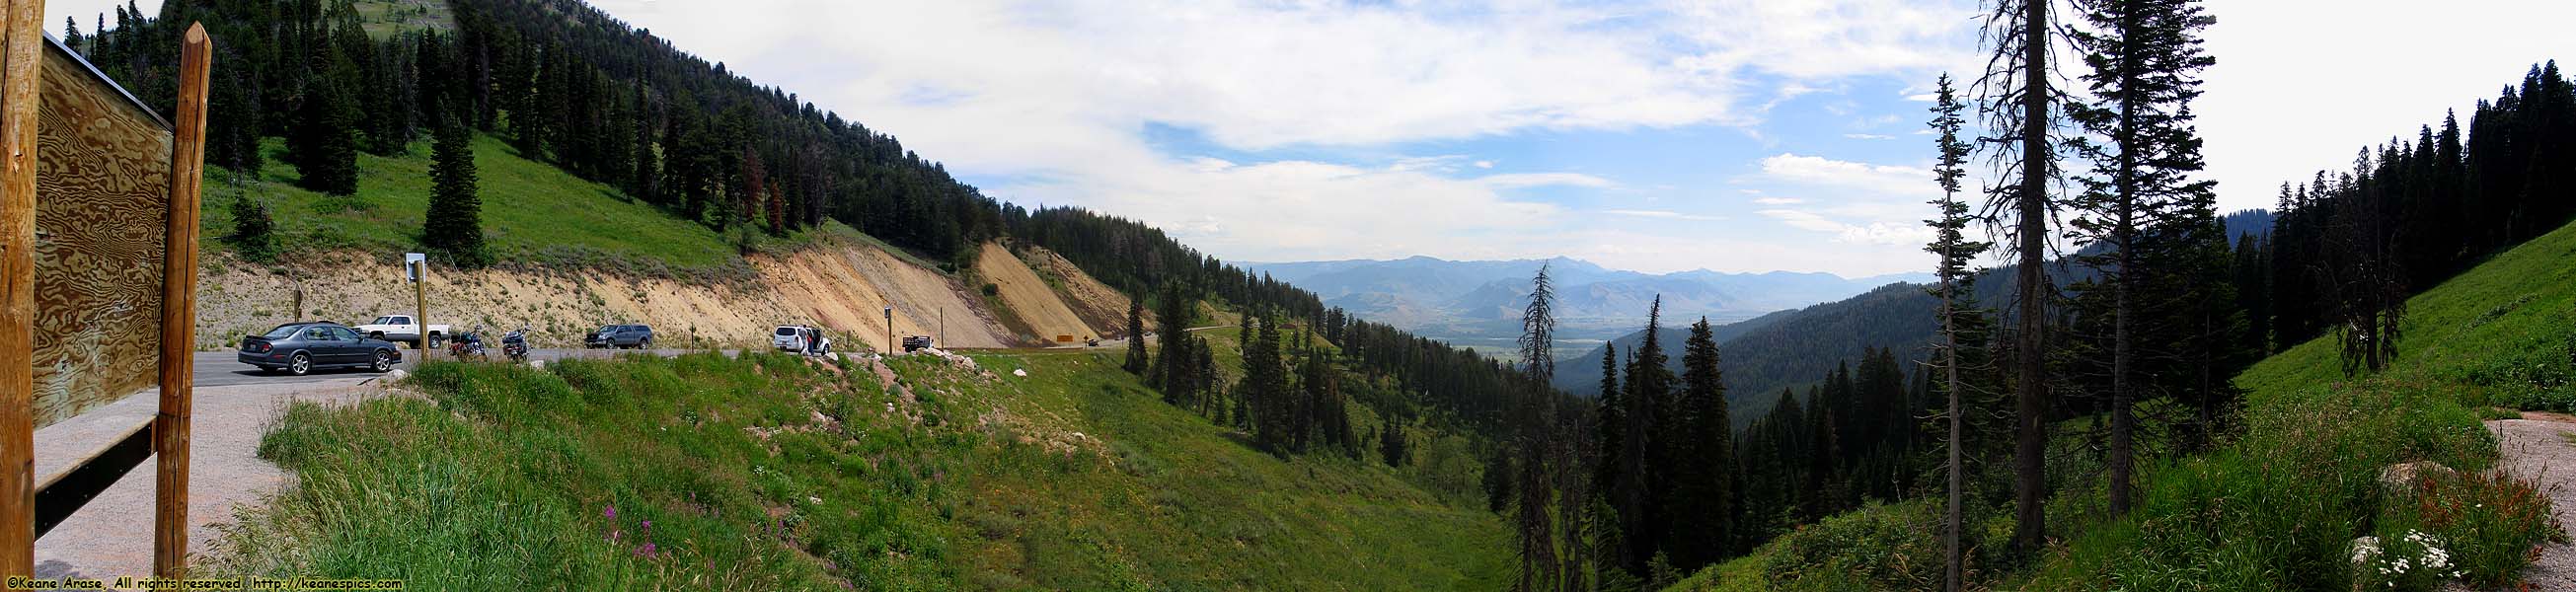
1029 296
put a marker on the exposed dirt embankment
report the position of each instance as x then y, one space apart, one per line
1030 297
840 286
1099 305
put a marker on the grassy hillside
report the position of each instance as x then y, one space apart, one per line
532 213
773 472
2278 507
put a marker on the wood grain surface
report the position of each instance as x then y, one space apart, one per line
102 204
178 339
21 62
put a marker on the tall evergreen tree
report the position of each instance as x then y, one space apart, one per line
1953 286
2143 56
1533 423
1704 494
455 222
1136 359
324 145
2021 102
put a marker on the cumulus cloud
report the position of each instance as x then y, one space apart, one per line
1662 214
1876 233
1877 178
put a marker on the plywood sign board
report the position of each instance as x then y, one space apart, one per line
102 201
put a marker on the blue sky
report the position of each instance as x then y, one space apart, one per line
1654 135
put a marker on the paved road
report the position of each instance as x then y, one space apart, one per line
222 368
112 535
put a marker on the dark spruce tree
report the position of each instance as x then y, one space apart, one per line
1531 432
2143 59
1961 321
455 222
254 232
1136 359
1704 495
324 143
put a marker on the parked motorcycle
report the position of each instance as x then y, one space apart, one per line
469 343
515 345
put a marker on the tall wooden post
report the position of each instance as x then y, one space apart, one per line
21 62
420 305
179 311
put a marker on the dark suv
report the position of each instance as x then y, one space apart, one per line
621 337
300 348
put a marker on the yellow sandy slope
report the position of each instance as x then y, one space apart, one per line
1099 305
1029 297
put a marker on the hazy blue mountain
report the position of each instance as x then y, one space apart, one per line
1464 299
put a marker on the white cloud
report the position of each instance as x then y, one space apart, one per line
1869 136
1876 233
1778 201
1879 179
1520 180
1662 214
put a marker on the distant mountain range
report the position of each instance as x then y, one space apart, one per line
1794 348
1468 298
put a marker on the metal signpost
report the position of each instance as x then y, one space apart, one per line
416 271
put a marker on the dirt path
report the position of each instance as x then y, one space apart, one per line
2538 448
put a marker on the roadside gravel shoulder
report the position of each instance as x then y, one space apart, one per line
2537 448
111 536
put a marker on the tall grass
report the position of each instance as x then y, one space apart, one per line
774 472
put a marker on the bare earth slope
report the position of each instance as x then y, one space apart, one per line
1029 296
1099 305
838 285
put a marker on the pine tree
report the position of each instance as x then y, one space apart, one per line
455 223
1641 480
2143 56
1958 309
1533 414
324 144
1391 446
1136 359
253 230
1704 494
2021 103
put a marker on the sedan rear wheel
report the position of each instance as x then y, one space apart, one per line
299 365
384 362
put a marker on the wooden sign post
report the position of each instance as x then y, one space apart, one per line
179 311
21 56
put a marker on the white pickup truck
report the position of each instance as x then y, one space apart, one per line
401 328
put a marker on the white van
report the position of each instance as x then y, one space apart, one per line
800 339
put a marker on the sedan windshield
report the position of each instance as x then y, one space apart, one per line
281 331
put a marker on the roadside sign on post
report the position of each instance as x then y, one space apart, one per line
416 271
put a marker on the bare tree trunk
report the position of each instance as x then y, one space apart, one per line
2030 474
1950 367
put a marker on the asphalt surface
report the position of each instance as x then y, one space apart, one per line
224 368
